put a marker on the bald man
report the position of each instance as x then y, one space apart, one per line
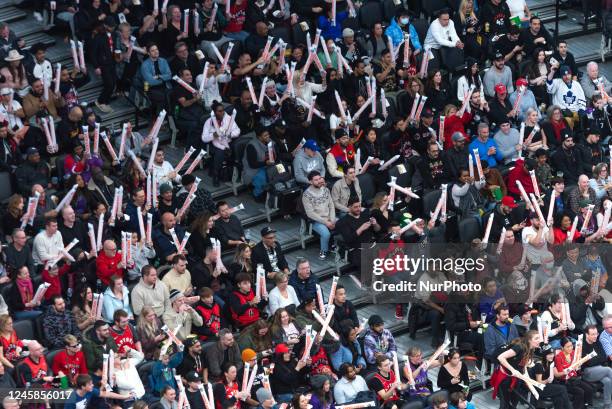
109 262
162 237
34 369
73 228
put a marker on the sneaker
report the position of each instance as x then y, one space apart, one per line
399 312
322 255
38 17
104 107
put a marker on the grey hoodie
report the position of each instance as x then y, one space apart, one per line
304 164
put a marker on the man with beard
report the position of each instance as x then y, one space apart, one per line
510 47
229 225
35 104
480 109
457 157
500 332
501 109
511 257
340 155
164 244
570 160
58 322
69 82
566 93
499 73
254 163
193 360
96 342
432 169
535 36
245 113
320 210
357 228
508 216
351 384
101 187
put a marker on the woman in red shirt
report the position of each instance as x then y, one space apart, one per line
455 123
10 345
581 391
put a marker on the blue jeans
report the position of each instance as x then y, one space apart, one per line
260 180
324 235
219 300
239 36
27 315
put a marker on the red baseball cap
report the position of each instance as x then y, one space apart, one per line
521 82
500 89
281 349
509 201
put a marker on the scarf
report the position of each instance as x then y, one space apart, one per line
557 128
25 289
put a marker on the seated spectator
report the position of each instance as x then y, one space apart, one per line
81 308
344 188
149 293
220 144
180 315
269 253
222 353
20 298
125 335
566 93
356 227
258 338
96 342
70 361
162 371
116 297
387 388
15 73
570 160
229 225
306 160
340 155
499 332
581 391
378 341
498 74
164 243
58 322
255 161
11 346
148 331
452 371
32 172
283 295
109 263
349 350
156 72
179 278
444 41
590 82
127 379
583 192
285 329
243 303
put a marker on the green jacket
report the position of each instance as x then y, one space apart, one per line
93 349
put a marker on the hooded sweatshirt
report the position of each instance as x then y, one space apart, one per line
304 164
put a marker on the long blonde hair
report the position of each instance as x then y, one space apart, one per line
144 327
462 8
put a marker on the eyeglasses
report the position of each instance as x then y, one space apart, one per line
74 346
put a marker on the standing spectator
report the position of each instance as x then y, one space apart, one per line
103 48
319 208
221 151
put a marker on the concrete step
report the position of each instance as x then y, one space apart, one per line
11 14
38 37
26 27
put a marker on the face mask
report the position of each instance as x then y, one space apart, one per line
404 21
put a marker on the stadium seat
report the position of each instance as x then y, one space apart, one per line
430 200
6 189
366 183
469 229
370 14
24 329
